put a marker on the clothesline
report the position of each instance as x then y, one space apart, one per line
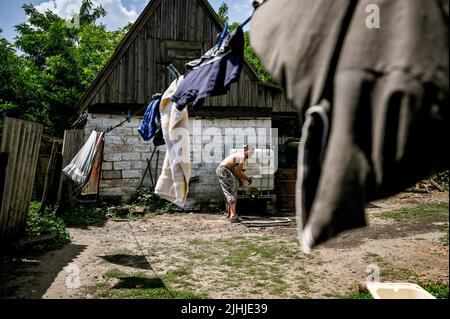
210 75
176 73
255 5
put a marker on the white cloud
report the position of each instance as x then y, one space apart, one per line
117 15
241 7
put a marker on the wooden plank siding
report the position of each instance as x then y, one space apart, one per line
21 141
171 31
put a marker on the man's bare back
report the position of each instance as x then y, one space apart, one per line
233 160
235 163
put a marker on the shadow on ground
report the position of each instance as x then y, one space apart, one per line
135 261
139 283
29 275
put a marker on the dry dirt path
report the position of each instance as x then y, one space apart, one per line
204 255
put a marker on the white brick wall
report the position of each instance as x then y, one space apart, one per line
126 152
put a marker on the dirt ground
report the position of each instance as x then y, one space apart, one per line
203 255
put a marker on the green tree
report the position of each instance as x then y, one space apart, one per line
17 83
223 13
249 53
58 61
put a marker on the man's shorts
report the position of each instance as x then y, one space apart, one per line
227 182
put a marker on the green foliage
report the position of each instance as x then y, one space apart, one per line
444 240
84 215
145 196
140 286
56 65
45 224
438 290
255 62
253 59
421 212
223 13
356 295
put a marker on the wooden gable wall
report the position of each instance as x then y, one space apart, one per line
172 31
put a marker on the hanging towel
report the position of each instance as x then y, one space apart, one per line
149 125
173 183
92 185
387 88
79 168
212 74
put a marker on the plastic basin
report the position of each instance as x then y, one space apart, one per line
398 291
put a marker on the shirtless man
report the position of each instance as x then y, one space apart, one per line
227 172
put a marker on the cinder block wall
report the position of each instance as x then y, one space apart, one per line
126 153
207 187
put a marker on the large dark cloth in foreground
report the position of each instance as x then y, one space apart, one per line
381 96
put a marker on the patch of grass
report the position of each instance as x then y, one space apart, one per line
402 274
84 215
423 212
197 242
115 273
438 290
154 293
304 287
444 240
356 295
179 278
99 290
254 291
44 224
139 286
197 255
176 274
278 285
121 251
371 255
265 238
241 255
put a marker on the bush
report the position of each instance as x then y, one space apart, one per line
145 196
44 224
84 215
438 290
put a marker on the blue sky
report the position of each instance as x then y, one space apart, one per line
119 11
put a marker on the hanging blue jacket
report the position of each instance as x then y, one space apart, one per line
213 73
149 125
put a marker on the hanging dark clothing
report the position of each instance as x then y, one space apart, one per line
387 92
213 73
149 125
158 139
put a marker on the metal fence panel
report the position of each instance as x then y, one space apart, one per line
21 141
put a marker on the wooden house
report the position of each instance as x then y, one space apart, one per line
171 32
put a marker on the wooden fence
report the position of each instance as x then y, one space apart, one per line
73 141
20 149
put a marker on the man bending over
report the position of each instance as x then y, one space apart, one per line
227 172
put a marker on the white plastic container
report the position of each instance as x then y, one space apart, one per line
261 169
387 290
